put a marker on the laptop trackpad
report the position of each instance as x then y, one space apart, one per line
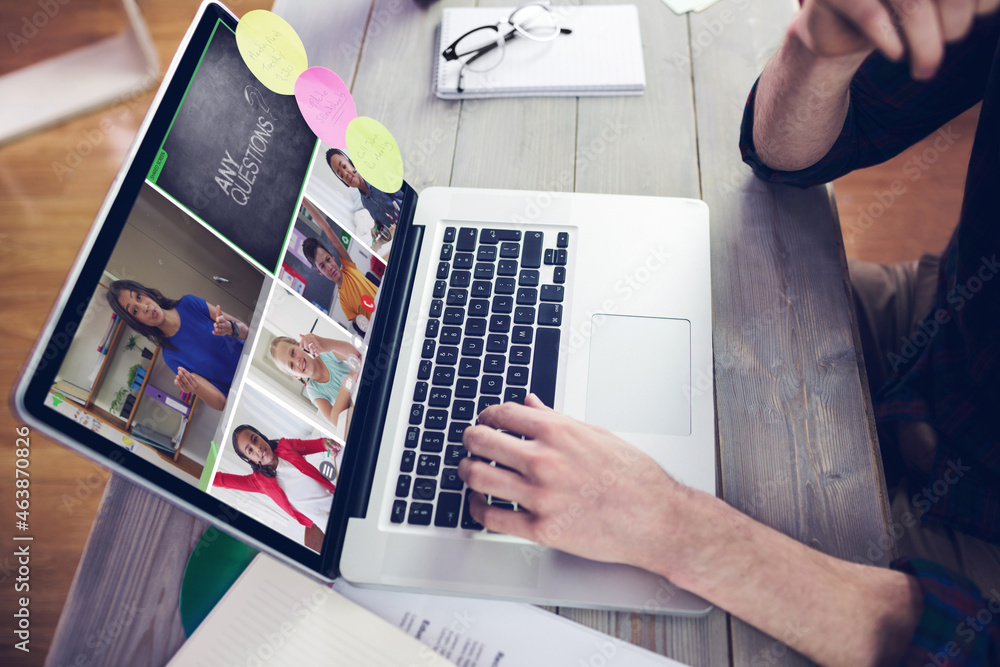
639 380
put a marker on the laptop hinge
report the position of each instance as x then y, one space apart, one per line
361 453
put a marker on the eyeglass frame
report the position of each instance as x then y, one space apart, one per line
449 53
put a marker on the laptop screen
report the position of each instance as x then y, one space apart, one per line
222 339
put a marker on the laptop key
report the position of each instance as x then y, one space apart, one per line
468 523
543 368
510 250
424 370
562 240
496 343
487 401
462 260
428 464
403 486
444 268
436 419
524 315
451 335
472 347
457 297
443 376
437 307
469 367
420 514
550 256
466 388
431 330
446 250
505 286
412 436
527 296
521 335
479 308
517 376
502 504
440 397
494 363
481 289
503 304
507 267
428 350
455 431
497 235
531 255
520 355
466 239
433 441
486 253
398 511
483 271
463 410
550 314
450 480
491 385
528 278
454 316
440 287
420 392
455 453
515 394
447 355
559 274
500 323
449 234
416 413
406 464
449 509
551 293
475 326
424 489
460 279
561 257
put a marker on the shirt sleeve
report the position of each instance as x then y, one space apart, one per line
225 480
958 625
889 111
304 447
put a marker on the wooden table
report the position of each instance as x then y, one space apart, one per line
796 438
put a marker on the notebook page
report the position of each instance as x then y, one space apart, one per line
276 617
603 55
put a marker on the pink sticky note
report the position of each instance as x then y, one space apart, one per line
326 104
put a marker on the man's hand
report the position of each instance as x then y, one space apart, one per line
916 29
585 491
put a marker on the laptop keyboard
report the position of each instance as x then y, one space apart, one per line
492 335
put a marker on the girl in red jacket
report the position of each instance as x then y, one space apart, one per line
281 472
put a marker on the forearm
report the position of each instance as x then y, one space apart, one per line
801 103
209 394
833 611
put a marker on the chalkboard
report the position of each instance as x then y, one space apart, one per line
237 154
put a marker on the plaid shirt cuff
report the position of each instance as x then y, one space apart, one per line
958 626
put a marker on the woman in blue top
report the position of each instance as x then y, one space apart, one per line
384 207
200 343
325 366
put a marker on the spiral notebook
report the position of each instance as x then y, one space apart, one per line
602 56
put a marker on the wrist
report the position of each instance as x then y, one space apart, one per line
799 44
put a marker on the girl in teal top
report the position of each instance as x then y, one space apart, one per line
326 366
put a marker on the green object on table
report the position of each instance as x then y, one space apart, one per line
215 564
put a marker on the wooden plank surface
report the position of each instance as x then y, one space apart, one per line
797 450
123 608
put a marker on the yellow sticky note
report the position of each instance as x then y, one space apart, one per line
271 49
375 154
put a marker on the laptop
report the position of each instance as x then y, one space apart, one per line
265 339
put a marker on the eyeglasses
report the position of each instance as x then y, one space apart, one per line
482 49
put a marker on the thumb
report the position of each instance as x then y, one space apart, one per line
533 401
218 312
